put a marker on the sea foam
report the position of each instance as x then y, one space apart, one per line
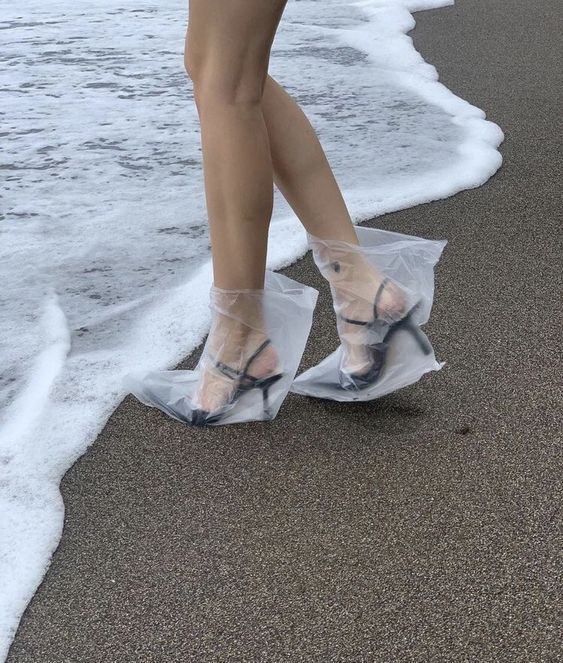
104 252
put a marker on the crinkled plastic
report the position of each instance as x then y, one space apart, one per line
249 360
378 353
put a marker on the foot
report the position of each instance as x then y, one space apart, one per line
226 355
354 294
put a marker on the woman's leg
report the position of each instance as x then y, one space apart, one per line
303 175
227 51
301 170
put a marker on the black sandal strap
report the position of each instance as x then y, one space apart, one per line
377 296
254 355
354 322
233 373
381 288
227 371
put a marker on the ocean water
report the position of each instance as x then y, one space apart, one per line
104 252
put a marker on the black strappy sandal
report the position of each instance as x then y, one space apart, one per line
386 330
244 383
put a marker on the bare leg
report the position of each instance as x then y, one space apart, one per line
301 170
304 176
227 52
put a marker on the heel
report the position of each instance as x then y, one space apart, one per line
414 329
420 338
265 402
265 385
407 324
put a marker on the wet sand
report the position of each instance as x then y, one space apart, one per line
419 527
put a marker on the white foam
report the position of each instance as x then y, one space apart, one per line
104 254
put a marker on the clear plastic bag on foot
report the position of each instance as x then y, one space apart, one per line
249 360
382 345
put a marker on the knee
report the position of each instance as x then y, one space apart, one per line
219 85
192 64
215 93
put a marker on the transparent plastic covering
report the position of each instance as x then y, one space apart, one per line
249 360
382 292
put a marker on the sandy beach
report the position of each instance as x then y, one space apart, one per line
418 527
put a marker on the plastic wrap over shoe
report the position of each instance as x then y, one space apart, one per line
249 360
383 292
